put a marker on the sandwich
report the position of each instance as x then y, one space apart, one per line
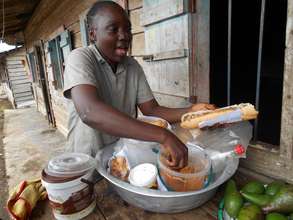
229 114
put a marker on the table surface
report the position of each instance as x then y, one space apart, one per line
111 207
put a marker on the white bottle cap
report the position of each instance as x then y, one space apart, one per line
143 175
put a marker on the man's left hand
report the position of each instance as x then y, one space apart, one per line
201 107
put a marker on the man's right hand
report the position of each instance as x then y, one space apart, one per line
175 152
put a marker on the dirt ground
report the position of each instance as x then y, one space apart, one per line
27 144
4 104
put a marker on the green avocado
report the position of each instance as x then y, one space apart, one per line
274 187
281 202
233 200
250 212
257 199
254 187
275 216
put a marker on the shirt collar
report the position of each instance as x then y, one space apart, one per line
121 67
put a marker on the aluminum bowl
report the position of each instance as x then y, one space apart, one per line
159 201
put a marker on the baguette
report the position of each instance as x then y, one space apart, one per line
233 113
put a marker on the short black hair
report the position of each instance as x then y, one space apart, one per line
98 7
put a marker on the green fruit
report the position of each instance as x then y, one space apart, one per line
276 216
257 199
273 188
281 202
233 201
230 187
254 187
250 212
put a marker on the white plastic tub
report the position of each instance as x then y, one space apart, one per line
71 199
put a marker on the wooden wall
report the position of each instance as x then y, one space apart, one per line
51 18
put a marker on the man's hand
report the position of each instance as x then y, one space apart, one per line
175 153
202 106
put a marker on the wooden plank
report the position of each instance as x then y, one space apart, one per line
169 76
201 77
83 24
14 66
23 74
17 77
16 70
155 11
13 62
74 28
51 14
138 45
21 90
287 108
134 4
76 40
171 100
22 99
135 21
23 94
15 58
268 163
20 81
166 55
161 37
21 86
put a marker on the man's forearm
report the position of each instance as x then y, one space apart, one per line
109 120
172 115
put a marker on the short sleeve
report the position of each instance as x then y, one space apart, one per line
79 70
144 92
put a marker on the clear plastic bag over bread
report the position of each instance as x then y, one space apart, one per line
226 139
220 143
128 154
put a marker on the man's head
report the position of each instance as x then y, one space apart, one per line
110 30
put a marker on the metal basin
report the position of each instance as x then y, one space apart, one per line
159 201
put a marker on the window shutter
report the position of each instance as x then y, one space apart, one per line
65 44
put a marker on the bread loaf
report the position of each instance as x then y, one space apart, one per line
233 113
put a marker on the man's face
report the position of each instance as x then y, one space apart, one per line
113 34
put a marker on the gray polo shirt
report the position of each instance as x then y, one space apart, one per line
122 90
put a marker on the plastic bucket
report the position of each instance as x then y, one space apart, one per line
70 198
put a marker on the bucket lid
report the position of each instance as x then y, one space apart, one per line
70 164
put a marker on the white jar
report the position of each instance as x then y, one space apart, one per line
143 175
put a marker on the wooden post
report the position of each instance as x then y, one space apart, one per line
286 142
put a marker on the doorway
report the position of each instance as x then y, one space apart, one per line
43 83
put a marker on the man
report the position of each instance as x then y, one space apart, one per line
106 87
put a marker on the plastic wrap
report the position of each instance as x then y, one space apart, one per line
227 138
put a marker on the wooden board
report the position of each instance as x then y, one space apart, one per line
161 37
155 11
138 45
76 40
169 76
171 100
50 15
135 21
287 112
133 4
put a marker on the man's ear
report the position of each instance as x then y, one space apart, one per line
92 34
